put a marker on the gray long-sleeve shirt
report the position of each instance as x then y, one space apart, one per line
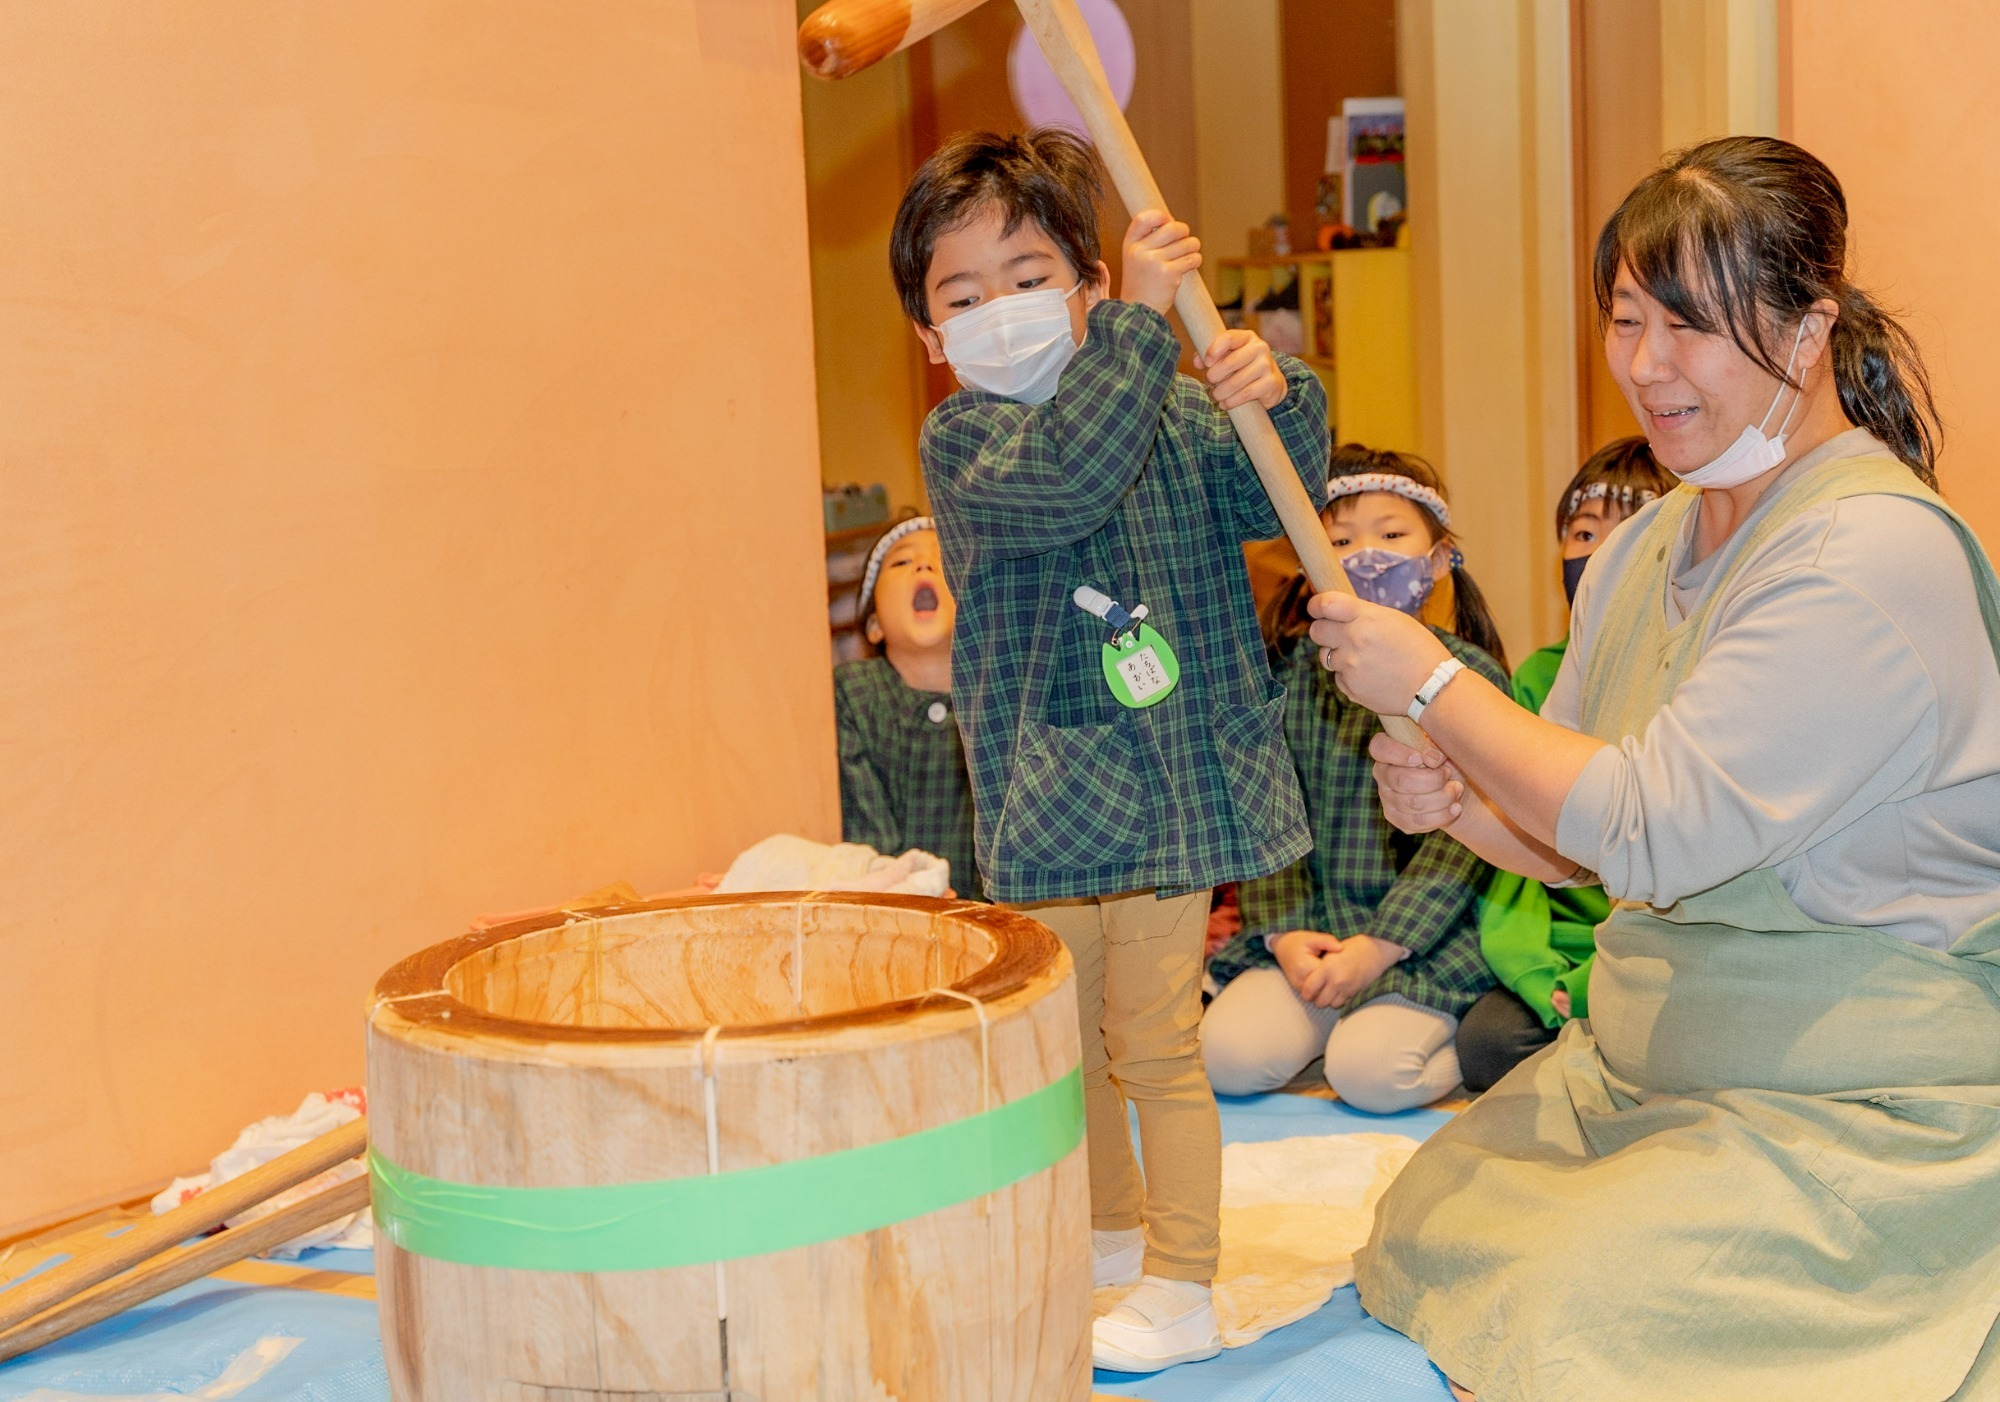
1842 725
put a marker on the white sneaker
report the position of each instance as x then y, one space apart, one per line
1116 1257
1162 1323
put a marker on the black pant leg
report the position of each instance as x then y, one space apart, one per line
1497 1034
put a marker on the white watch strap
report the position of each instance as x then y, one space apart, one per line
1428 692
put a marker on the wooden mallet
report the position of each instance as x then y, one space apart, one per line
843 37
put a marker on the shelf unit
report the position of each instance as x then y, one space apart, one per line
1255 277
1357 324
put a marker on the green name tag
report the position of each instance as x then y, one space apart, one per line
1140 668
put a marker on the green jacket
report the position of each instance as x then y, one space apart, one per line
1537 939
1362 877
1130 481
902 768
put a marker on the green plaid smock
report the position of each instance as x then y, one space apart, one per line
902 768
1363 877
1130 481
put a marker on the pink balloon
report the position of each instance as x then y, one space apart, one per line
1040 98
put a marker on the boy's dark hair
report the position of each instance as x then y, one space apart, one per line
1048 175
1284 619
1627 469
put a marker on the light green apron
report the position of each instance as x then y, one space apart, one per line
1768 1166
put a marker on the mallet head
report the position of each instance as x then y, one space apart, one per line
842 37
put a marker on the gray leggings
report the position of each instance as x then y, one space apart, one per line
1388 1054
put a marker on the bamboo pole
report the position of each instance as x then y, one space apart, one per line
165 1271
199 1214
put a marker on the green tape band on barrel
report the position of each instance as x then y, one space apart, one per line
724 1216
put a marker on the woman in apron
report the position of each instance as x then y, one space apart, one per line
1768 1164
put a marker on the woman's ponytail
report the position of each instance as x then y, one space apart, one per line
1882 382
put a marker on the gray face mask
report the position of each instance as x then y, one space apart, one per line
1400 582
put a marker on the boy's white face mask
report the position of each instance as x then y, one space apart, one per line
1015 345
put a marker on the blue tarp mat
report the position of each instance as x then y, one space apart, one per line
215 1338
260 1344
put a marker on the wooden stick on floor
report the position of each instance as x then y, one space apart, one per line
199 1214
177 1267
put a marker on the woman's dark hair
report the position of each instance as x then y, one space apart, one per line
1048 175
1744 234
1284 619
1628 472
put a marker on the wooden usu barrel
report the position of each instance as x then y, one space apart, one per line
745 1148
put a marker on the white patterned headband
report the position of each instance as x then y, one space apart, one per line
1394 483
882 549
1626 498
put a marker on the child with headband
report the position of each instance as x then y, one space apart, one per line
1540 942
903 782
1366 950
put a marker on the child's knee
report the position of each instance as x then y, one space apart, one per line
1237 1060
1377 1080
1157 1058
1376 1088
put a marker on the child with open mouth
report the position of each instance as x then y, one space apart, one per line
903 781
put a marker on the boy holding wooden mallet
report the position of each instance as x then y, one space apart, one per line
1120 719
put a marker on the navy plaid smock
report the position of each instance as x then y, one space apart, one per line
902 768
1363 877
1131 481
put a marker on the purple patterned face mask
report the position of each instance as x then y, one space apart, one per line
1400 582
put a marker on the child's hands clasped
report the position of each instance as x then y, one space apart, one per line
1241 369
1327 971
1158 253
1299 952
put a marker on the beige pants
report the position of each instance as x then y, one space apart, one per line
1388 1054
1138 995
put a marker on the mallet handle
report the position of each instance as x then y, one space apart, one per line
1065 41
193 1217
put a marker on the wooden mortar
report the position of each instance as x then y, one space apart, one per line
569 1051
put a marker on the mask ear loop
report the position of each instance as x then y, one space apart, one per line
1798 394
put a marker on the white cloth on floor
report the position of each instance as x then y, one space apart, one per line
1294 1211
266 1140
788 863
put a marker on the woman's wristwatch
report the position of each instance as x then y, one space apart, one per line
1428 692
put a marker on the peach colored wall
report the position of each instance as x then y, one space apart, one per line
870 369
1899 104
407 449
1618 78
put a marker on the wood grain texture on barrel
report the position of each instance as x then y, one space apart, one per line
568 1052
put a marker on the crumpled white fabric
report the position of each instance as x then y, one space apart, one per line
1294 1211
788 863
265 1140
